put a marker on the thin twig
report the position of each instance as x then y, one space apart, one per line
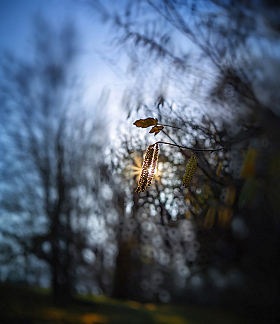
206 150
191 148
168 126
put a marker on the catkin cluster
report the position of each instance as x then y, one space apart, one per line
148 167
190 169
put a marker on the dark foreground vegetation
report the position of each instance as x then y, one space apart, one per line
35 306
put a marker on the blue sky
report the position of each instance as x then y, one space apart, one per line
16 23
16 18
16 31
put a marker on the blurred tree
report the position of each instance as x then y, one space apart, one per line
217 60
162 223
57 199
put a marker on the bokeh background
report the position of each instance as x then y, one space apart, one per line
77 243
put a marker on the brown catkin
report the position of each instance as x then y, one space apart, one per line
219 168
190 169
148 167
153 165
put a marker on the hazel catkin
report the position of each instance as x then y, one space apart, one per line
148 167
190 169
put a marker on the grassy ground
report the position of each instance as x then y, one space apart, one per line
27 306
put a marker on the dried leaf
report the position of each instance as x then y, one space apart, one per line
219 168
144 123
156 129
225 216
230 196
210 217
249 164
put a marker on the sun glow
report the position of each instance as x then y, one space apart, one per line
151 170
135 169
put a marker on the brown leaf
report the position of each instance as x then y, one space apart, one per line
156 129
145 122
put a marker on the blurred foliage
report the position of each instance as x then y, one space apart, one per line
210 69
22 305
56 192
168 220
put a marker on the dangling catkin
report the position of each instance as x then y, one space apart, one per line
153 165
190 169
148 167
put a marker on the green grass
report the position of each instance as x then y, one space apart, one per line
20 305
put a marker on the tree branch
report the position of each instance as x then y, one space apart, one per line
194 149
